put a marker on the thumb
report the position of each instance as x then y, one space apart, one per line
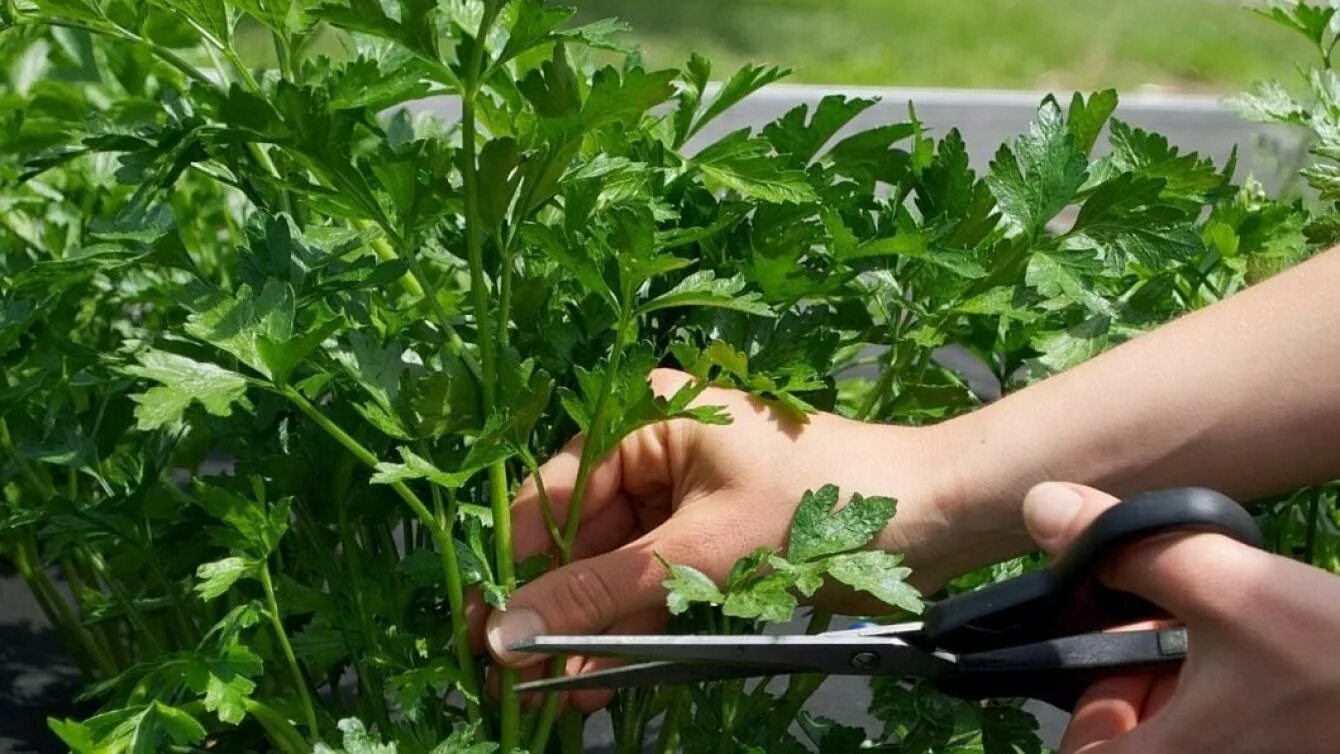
1055 513
1195 576
582 598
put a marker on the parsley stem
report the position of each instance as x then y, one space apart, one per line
281 732
300 679
1313 514
441 535
596 430
460 630
416 283
509 702
29 563
586 464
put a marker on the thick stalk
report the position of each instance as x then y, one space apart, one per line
299 679
509 703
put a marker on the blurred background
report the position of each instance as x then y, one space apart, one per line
1201 46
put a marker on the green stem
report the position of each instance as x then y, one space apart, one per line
509 702
369 678
587 462
353 446
670 725
305 696
416 283
283 56
544 725
801 687
460 630
591 447
1313 513
280 731
57 609
450 570
44 488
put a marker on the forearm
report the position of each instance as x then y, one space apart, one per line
1243 396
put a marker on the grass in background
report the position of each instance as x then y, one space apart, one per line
1189 45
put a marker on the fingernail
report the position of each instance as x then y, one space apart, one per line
1049 508
508 628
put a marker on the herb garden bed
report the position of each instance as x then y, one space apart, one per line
389 321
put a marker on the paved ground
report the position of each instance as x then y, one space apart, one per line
37 680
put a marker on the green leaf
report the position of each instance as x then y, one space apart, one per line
215 18
533 23
463 741
704 288
1040 175
747 166
417 467
375 367
1087 118
216 578
617 98
792 135
1269 102
767 598
183 381
259 330
743 83
412 688
414 25
917 246
688 586
225 680
879 574
356 740
818 530
177 724
1007 729
1312 21
1063 349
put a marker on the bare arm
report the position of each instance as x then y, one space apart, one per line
1243 396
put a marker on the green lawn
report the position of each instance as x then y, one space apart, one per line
1196 45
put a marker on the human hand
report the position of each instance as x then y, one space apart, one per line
705 496
1261 674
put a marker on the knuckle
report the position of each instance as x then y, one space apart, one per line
586 596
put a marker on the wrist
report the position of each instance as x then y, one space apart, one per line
957 511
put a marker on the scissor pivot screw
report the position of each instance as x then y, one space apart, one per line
865 661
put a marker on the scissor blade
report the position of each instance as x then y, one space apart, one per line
641 674
833 654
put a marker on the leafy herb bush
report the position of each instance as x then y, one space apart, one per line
277 350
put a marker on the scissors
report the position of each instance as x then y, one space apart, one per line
1043 635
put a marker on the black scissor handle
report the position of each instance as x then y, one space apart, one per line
1065 598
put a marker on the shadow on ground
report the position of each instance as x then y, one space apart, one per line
37 678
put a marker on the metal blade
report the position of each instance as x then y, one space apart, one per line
834 654
644 674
